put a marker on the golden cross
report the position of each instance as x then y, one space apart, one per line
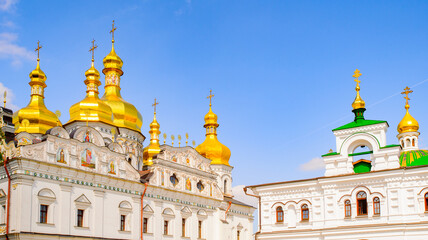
407 91
112 31
38 49
92 49
154 105
356 75
210 96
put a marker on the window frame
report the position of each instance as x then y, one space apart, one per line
426 201
122 222
348 208
165 227
279 212
362 204
80 217
183 227
43 213
376 206
199 229
145 225
304 212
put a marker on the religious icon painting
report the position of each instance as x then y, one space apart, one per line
174 159
111 168
60 156
24 141
188 184
187 161
87 159
87 137
174 180
200 186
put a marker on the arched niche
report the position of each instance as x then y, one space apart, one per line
88 134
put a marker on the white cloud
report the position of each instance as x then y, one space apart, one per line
6 5
9 97
239 194
10 50
314 164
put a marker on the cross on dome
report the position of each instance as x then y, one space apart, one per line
407 91
210 96
154 105
112 31
92 49
38 50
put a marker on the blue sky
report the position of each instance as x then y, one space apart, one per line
281 71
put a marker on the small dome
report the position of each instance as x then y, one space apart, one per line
112 61
212 148
408 124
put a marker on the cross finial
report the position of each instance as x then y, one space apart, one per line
154 105
407 91
4 96
356 75
38 50
92 49
210 96
112 32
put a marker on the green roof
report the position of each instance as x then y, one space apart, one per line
330 154
414 158
359 123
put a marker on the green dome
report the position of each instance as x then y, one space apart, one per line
414 158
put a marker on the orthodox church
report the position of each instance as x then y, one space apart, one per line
94 177
371 189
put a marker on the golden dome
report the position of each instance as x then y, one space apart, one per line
39 117
211 148
153 148
408 123
358 102
91 108
124 114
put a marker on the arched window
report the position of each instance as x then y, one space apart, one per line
361 203
402 143
305 212
426 202
407 142
279 214
413 142
376 206
225 186
347 208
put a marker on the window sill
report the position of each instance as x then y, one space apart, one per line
148 234
167 236
362 216
126 231
46 224
185 237
376 215
278 223
83 228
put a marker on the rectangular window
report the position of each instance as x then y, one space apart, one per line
199 229
165 227
238 234
80 217
122 222
145 223
362 206
183 227
43 213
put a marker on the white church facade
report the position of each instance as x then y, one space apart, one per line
92 178
371 190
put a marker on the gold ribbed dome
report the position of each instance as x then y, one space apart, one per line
124 114
153 148
358 102
408 123
39 117
91 108
211 148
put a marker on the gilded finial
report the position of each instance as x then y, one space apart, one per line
358 102
179 140
164 138
112 32
4 96
172 140
187 138
210 96
154 105
38 50
58 114
408 123
92 49
193 143
407 91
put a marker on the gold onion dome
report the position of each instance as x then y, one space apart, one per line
408 123
124 114
358 102
91 108
211 148
153 148
35 117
